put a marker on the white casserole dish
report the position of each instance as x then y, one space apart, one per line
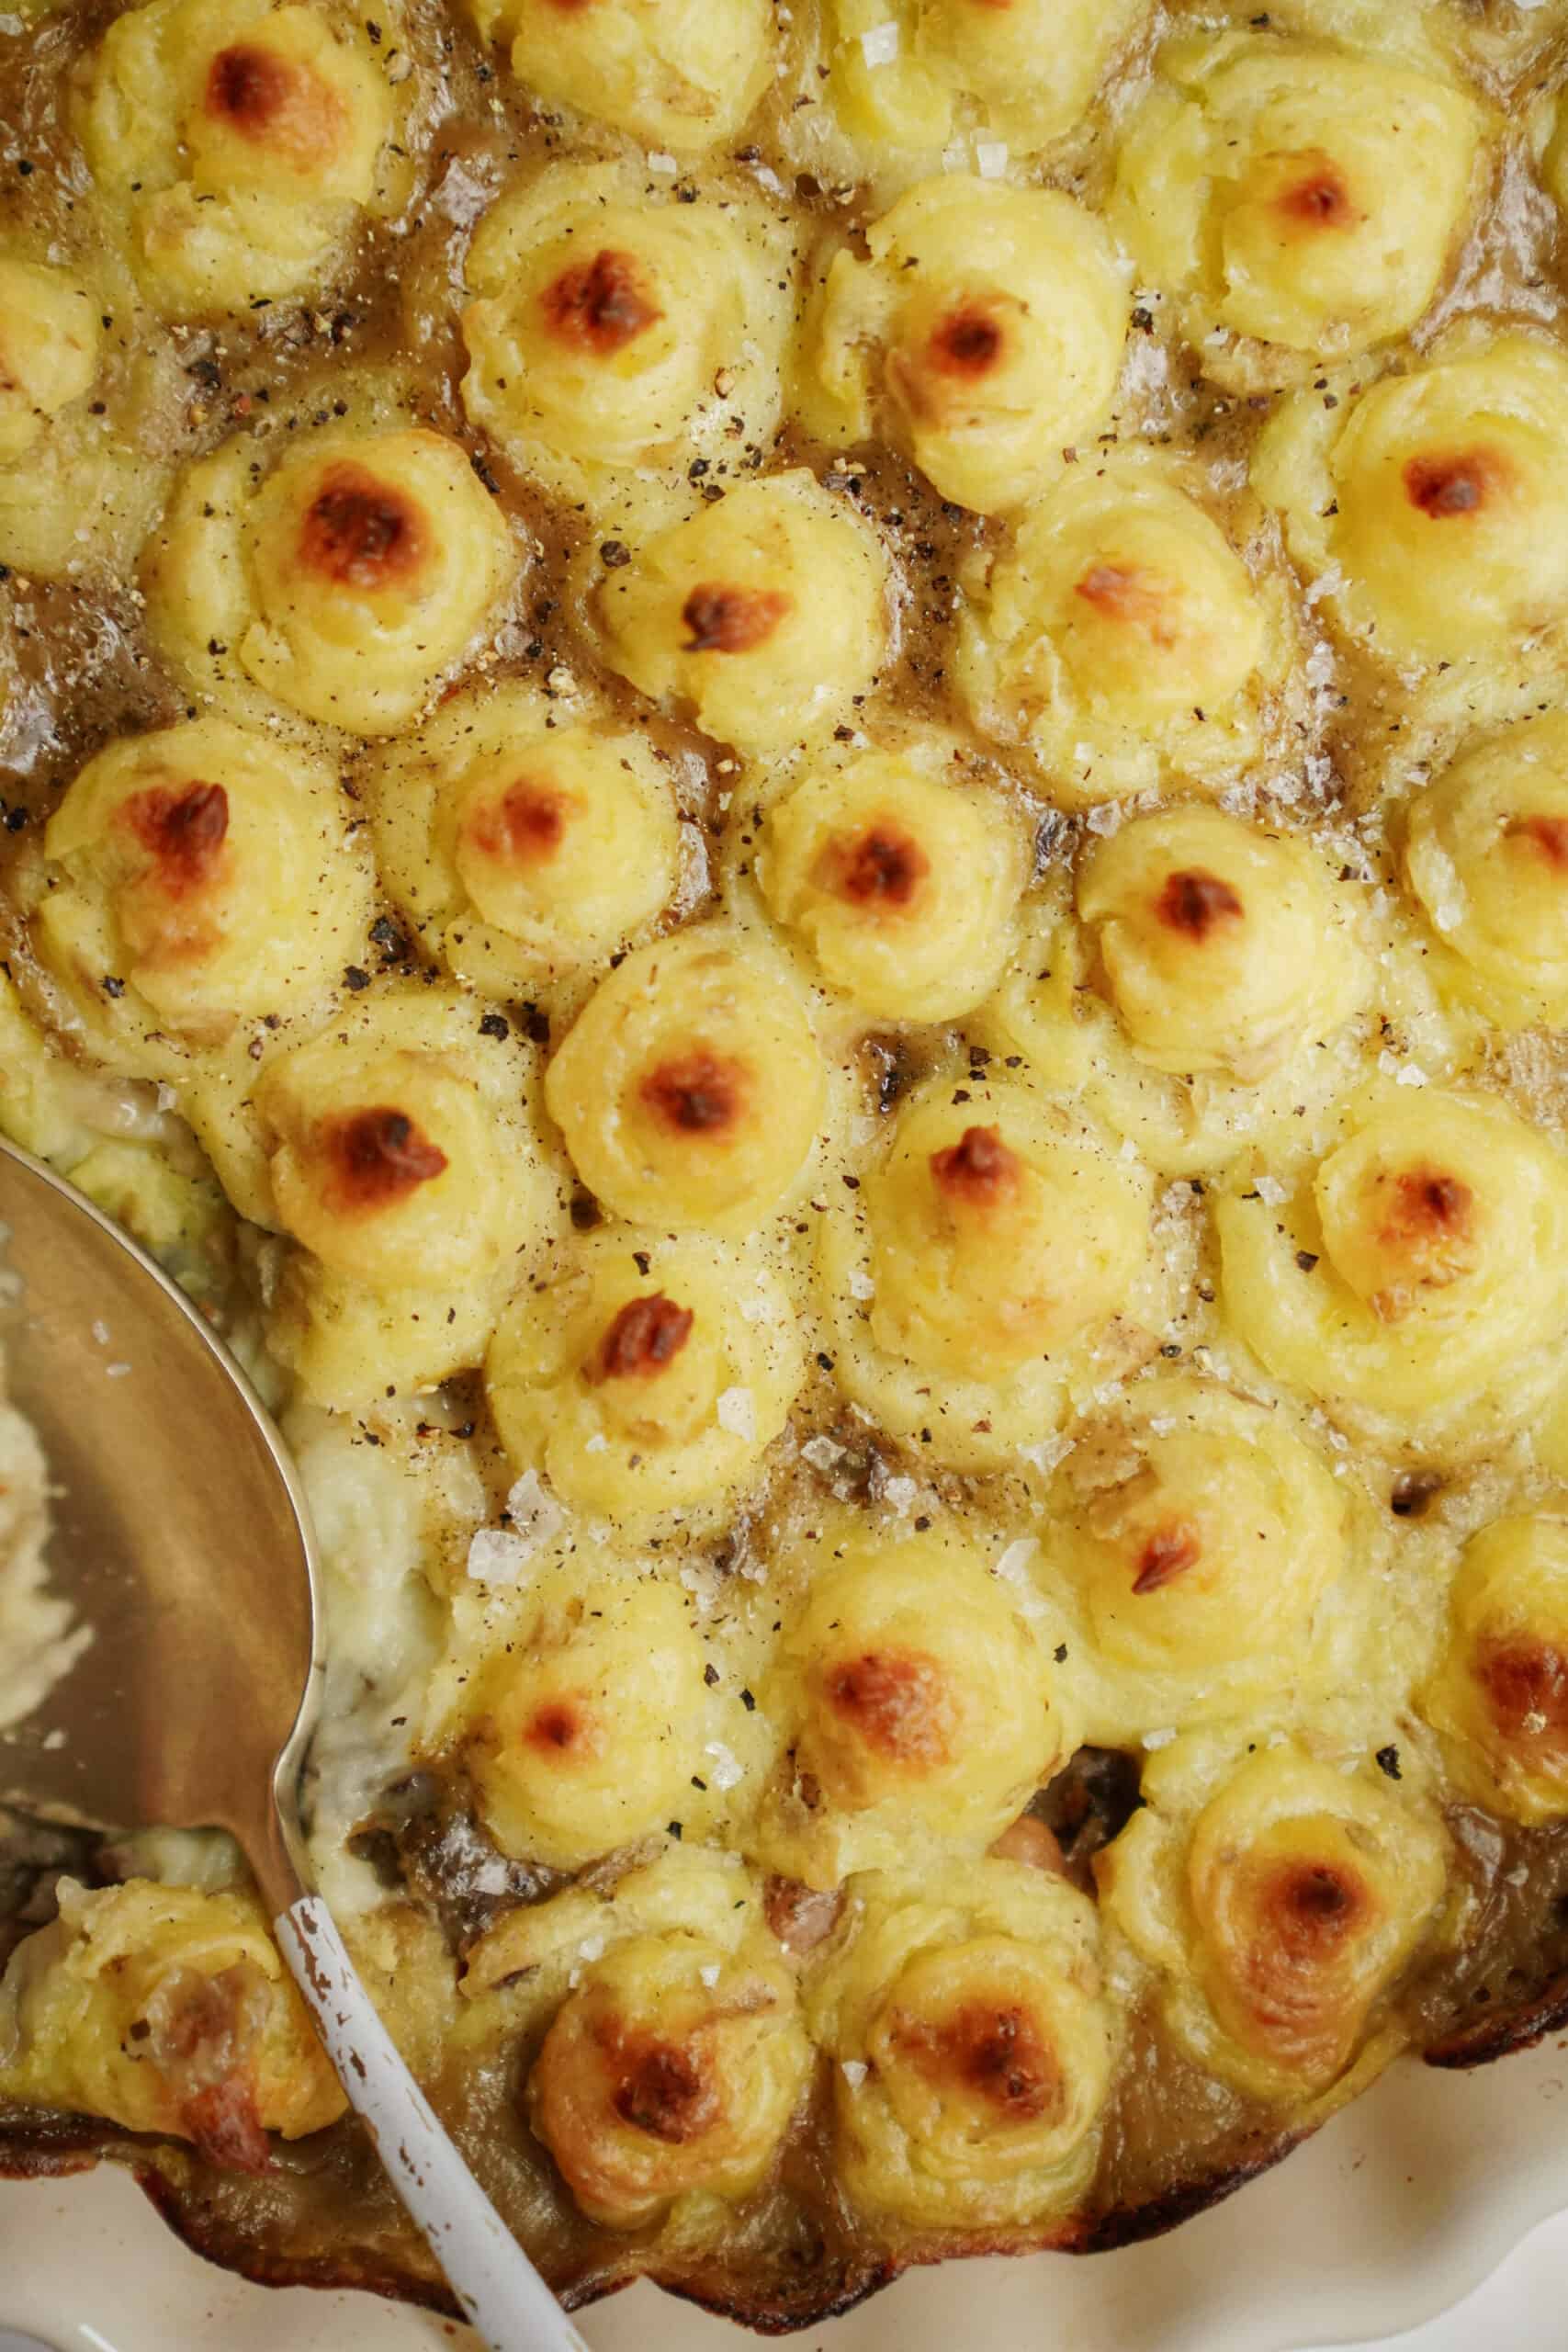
1397 2208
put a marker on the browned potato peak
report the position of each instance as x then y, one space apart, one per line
1526 1683
602 304
360 533
1313 1906
661 2088
380 1157
182 829
275 102
1431 1222
1463 482
978 1170
732 620
1130 593
897 1702
1194 902
1319 198
969 341
527 827
559 1725
883 865
206 2028
1167 1555
995 2051
1548 834
646 1335
700 1094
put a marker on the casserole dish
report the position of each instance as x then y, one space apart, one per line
788 788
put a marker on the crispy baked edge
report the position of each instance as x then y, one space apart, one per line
55 2146
58 2145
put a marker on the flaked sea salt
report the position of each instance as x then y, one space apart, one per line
1319 666
497 1557
735 1412
1012 1566
534 1515
1442 890
1327 583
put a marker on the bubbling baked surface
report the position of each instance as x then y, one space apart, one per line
788 790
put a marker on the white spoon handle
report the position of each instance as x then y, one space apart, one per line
501 2293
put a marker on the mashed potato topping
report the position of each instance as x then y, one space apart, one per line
39 1640
787 785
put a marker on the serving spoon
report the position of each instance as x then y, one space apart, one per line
182 1537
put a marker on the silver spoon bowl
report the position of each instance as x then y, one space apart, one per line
181 1536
